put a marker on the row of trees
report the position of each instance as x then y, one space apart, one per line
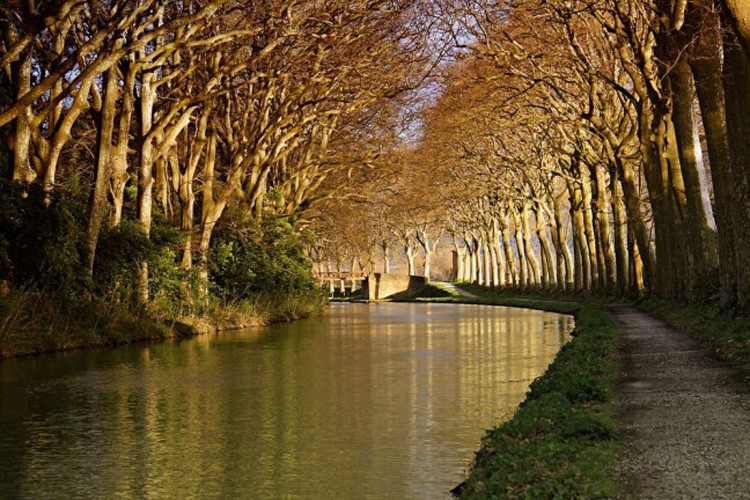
390 212
615 112
588 144
592 145
174 110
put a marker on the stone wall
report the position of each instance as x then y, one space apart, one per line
380 286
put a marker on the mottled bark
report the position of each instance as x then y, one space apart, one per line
621 234
21 142
604 232
511 274
739 11
533 262
145 174
409 251
550 275
459 261
594 258
119 164
386 247
560 240
626 173
582 278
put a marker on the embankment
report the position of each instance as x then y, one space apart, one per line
563 441
35 323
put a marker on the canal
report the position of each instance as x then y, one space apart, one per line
369 401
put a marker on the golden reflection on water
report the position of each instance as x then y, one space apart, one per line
371 401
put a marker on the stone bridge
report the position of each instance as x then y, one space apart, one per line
376 286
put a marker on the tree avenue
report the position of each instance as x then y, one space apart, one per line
160 154
593 145
134 132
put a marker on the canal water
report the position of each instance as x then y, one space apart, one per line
370 401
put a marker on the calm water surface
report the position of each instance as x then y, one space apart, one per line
371 401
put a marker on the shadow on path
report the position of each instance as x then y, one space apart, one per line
686 431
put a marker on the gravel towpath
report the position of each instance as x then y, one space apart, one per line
686 416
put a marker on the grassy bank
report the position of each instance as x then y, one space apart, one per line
563 441
34 323
562 304
725 333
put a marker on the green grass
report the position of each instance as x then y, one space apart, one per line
563 441
33 323
725 333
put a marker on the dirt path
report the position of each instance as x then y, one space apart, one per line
686 417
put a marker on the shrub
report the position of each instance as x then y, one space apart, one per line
41 242
250 259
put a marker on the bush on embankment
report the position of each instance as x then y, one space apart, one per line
263 264
563 440
49 301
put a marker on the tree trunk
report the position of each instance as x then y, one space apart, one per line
475 267
561 242
523 263
459 265
582 276
466 257
511 275
609 269
545 248
428 253
739 11
621 234
590 248
706 63
145 176
533 262
386 257
498 262
119 167
409 250
632 197
22 171
98 204
736 78
700 236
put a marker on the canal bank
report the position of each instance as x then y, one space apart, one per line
37 323
670 422
564 440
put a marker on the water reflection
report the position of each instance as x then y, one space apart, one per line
384 400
